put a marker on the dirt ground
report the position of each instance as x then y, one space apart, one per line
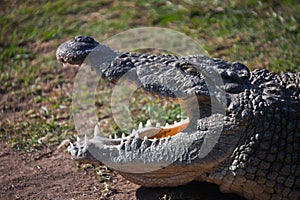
51 174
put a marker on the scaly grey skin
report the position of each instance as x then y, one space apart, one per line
258 152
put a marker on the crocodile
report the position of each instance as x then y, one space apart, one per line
257 152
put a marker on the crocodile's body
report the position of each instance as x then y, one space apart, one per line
258 152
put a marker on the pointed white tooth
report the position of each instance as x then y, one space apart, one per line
157 124
123 135
85 140
96 131
71 145
84 148
175 122
154 143
115 136
127 145
78 139
148 123
109 137
161 141
145 138
167 124
141 125
136 135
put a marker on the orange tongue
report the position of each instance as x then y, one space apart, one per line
171 130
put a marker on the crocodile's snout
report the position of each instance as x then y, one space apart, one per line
75 50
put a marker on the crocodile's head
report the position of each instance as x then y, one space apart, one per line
213 92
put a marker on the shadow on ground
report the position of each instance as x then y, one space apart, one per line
193 190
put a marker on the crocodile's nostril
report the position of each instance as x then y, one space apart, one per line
78 38
86 39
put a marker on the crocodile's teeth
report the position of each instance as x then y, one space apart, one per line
85 144
154 140
78 139
96 131
146 143
122 145
148 123
157 124
136 135
123 135
141 125
115 136
162 141
71 146
127 145
85 140
167 124
109 137
175 122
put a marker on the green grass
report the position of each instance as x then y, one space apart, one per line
261 34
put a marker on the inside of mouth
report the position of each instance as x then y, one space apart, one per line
165 118
149 132
149 115
156 127
158 131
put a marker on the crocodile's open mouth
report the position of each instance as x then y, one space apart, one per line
148 131
155 127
